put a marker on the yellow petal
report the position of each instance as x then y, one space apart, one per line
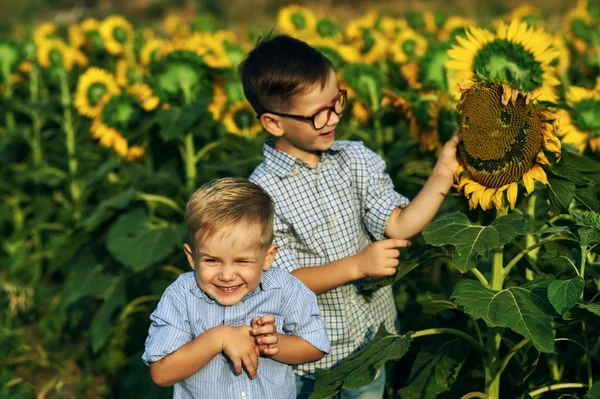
541 159
538 173
486 198
528 183
499 197
474 199
513 190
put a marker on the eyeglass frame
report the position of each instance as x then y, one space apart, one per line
331 108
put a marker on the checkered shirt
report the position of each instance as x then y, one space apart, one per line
327 213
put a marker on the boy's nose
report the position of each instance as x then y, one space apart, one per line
227 273
333 119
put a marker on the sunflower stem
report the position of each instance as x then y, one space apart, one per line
8 93
529 238
556 387
190 163
36 126
457 333
70 142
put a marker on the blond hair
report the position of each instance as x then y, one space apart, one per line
227 201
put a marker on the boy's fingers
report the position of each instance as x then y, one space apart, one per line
237 366
270 318
268 329
268 340
392 263
250 366
393 253
254 322
396 243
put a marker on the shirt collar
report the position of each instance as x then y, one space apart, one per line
267 282
282 163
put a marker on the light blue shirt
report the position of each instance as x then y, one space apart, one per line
185 311
328 213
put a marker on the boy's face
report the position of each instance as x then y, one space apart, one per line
298 137
230 263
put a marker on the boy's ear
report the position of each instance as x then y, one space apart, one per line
272 124
270 257
189 255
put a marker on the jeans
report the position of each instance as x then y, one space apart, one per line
305 386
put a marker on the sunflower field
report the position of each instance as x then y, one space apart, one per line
106 128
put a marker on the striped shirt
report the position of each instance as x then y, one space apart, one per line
328 213
185 311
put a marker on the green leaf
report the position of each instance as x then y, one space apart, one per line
564 294
552 230
119 201
360 368
100 328
588 196
591 307
177 121
433 373
561 194
594 392
528 362
86 279
135 242
433 304
523 309
471 241
587 236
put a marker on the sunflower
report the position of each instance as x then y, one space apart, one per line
117 34
579 25
176 26
126 74
407 46
339 53
91 30
517 55
218 101
526 13
392 27
455 26
213 53
371 45
55 52
369 21
144 94
179 77
427 21
563 61
504 138
151 50
327 27
76 36
296 21
115 127
579 126
240 119
94 89
433 120
44 32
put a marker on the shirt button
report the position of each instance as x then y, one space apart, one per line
243 395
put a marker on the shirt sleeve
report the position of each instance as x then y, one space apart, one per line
301 316
170 327
285 258
379 196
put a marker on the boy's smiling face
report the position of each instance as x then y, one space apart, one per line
230 263
299 138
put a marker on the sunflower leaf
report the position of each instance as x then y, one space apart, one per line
360 368
524 309
177 121
594 392
132 240
561 194
434 372
472 241
564 294
591 307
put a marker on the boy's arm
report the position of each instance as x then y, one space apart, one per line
296 350
405 223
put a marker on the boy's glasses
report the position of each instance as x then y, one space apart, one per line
320 119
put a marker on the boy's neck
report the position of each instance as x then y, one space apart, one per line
311 158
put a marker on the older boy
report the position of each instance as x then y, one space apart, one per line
338 218
212 323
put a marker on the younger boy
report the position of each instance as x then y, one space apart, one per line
233 312
338 218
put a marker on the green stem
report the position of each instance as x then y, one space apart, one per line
36 125
451 331
479 395
70 142
583 259
588 356
479 276
158 199
510 354
539 243
529 238
190 163
556 387
8 93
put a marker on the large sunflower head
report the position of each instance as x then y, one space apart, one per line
117 34
179 77
240 119
516 55
407 46
95 87
579 124
503 138
297 21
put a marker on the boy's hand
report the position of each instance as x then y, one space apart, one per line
265 334
239 346
380 259
447 162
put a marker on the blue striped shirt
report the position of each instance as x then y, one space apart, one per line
328 213
185 311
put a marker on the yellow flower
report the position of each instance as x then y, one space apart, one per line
218 101
203 44
94 89
90 25
55 52
516 54
296 21
579 125
407 46
44 32
410 72
360 112
504 135
151 49
452 25
354 29
127 74
76 36
327 45
240 119
177 26
135 153
392 27
117 34
576 20
144 93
